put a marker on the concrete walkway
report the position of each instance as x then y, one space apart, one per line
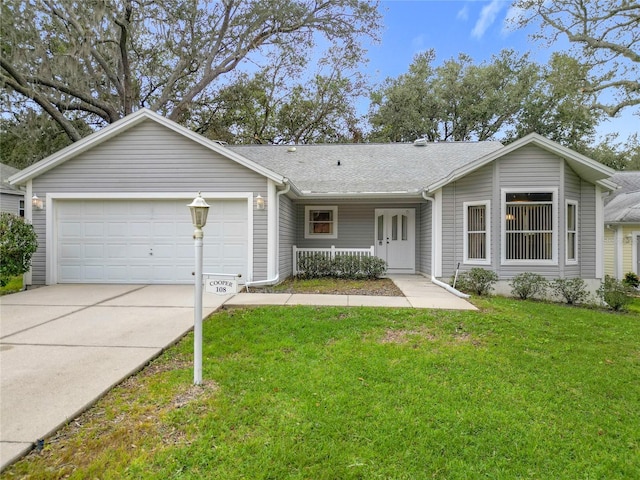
419 293
63 346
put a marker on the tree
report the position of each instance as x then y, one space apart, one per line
606 34
556 107
18 243
619 156
267 107
28 137
99 61
455 101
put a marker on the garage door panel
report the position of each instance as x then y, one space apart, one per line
145 241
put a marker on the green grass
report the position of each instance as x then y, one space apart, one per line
14 285
518 390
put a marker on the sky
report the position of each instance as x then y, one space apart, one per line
479 28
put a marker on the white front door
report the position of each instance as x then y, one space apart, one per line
395 230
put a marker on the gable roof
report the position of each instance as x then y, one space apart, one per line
586 168
623 205
7 171
392 169
122 125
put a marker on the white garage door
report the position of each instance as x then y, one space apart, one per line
146 241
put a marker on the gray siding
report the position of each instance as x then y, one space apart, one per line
356 227
424 258
477 186
287 232
527 168
10 203
150 158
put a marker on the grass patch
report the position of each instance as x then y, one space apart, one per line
14 285
337 286
518 390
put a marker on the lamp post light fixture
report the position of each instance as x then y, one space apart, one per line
259 202
199 211
37 202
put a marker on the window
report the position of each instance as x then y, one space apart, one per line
572 231
530 225
321 222
476 233
21 208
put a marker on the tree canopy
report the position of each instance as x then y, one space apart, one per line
606 34
99 61
505 98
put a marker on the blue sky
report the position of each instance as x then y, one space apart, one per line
478 28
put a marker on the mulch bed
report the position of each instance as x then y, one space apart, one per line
337 286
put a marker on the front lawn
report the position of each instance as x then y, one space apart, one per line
518 390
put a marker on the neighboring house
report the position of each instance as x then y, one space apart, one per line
622 226
11 196
115 206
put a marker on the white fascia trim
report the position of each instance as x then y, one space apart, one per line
124 124
503 225
476 261
51 233
272 226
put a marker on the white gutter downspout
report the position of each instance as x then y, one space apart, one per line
276 278
434 280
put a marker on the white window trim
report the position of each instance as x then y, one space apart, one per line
503 224
571 261
308 233
477 261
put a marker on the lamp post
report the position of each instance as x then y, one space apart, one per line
199 211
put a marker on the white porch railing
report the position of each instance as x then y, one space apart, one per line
330 253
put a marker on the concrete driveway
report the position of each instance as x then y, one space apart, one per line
64 346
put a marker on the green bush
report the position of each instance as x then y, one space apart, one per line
528 285
477 280
318 265
18 243
614 293
373 267
631 280
315 265
573 290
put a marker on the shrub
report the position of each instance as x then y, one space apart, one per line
373 267
347 266
315 265
528 285
631 280
614 293
573 290
18 243
477 280
318 265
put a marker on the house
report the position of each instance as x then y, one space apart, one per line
11 197
622 226
115 206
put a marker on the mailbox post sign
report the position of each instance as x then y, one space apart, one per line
221 286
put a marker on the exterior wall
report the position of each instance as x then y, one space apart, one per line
425 247
620 243
287 233
356 224
524 169
10 203
148 158
610 252
477 186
